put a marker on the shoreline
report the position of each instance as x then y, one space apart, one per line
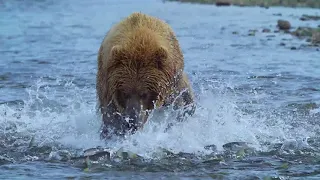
259 3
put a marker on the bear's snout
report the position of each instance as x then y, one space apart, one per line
132 112
133 107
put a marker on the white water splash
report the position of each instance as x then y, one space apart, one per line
69 119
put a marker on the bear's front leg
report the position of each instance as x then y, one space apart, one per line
113 123
186 107
185 99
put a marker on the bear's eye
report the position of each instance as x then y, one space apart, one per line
122 97
144 96
153 96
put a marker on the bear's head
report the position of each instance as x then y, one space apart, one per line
139 79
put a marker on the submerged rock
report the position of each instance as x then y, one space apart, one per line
284 24
282 44
277 14
266 30
252 32
271 36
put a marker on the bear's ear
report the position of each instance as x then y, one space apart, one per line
116 52
160 55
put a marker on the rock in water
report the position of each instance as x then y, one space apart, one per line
277 14
284 24
303 32
266 30
315 39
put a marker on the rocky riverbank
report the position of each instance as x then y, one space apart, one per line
311 34
262 3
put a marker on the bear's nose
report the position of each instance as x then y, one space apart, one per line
132 112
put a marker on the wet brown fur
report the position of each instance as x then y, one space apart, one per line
141 51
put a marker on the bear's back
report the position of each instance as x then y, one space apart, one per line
143 30
138 22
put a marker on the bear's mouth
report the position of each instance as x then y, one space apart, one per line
134 114
132 124
138 118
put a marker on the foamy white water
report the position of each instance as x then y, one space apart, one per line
72 121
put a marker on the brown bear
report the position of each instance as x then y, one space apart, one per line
140 68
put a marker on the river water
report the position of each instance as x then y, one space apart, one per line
249 89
